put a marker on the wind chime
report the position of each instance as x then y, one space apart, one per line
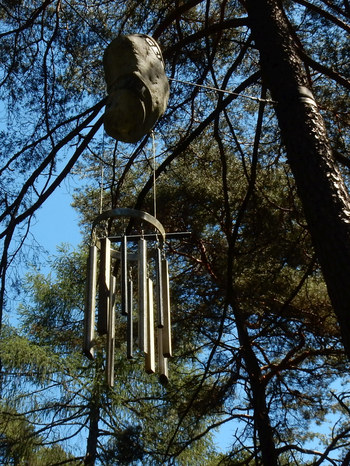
126 266
138 260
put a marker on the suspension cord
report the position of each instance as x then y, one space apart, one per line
223 91
101 189
102 173
154 176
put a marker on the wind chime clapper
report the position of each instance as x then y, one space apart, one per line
138 267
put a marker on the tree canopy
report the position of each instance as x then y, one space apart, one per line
251 157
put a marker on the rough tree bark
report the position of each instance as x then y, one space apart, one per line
320 185
94 417
262 424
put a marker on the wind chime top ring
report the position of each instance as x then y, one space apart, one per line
126 212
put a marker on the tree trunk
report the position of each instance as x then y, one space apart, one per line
320 185
262 424
94 416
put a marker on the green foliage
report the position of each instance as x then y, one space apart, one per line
55 318
20 445
125 448
22 355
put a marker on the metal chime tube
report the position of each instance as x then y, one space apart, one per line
130 333
162 361
124 274
167 347
142 294
104 283
111 332
89 317
150 364
159 289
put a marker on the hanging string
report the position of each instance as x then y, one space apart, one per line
102 173
101 189
154 176
223 91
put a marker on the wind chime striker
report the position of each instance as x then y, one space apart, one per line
137 267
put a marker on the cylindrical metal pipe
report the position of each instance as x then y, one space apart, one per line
103 289
90 304
142 294
150 365
162 361
124 274
130 333
111 333
159 289
167 346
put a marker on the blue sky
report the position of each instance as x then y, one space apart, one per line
57 222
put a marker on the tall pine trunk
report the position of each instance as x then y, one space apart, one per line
320 185
262 423
94 417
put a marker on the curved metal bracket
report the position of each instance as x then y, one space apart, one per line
126 212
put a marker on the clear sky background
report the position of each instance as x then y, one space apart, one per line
57 222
